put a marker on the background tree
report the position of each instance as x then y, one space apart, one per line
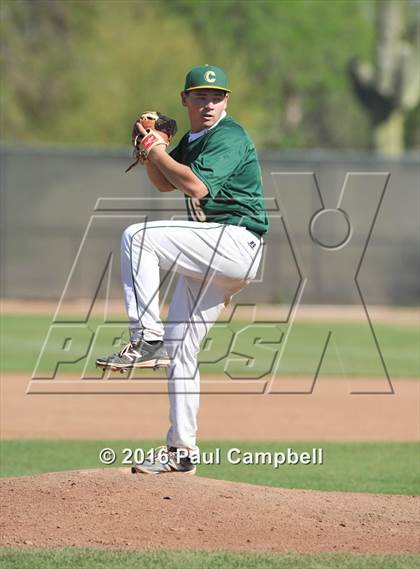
293 55
391 87
39 63
78 72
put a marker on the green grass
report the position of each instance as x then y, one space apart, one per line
239 349
389 468
111 559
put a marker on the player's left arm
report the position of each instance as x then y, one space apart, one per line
176 174
159 181
179 175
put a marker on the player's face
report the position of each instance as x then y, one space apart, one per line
205 107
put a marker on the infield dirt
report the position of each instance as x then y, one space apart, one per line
113 508
330 413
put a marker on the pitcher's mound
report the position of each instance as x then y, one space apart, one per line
113 508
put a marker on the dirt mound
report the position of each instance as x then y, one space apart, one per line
113 508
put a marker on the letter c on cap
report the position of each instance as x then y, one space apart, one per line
210 76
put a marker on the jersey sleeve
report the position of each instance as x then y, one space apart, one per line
218 160
175 153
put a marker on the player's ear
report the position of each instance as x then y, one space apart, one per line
184 97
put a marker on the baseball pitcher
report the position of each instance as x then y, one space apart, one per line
215 253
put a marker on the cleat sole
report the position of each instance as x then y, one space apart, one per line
149 364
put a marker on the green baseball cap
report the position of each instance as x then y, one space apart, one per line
206 77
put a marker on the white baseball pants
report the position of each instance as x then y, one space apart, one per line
214 261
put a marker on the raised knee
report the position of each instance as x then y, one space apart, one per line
131 232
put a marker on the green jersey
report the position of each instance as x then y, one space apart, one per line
225 160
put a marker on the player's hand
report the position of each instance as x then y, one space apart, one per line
138 130
141 129
151 131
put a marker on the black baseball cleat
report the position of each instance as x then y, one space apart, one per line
140 355
165 460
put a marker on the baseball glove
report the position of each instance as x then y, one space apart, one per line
160 130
